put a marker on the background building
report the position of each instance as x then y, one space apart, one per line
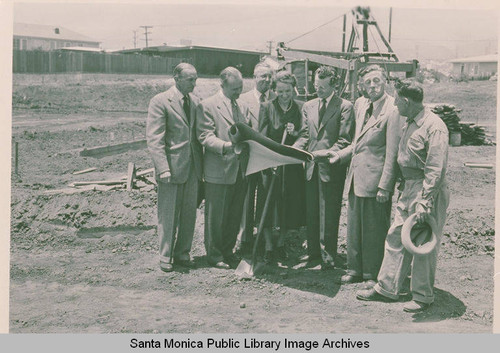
45 38
483 66
207 60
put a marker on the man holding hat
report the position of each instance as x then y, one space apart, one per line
422 158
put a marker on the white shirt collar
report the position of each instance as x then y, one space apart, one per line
257 94
328 99
379 101
225 99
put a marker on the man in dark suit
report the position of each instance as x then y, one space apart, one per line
330 122
225 184
254 98
372 175
177 157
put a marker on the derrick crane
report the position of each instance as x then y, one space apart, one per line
303 63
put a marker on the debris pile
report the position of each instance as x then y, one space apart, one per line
448 113
472 134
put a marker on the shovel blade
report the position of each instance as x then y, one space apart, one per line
244 269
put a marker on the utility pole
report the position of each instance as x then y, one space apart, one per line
135 39
390 24
146 33
270 45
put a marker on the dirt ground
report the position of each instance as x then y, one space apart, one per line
87 262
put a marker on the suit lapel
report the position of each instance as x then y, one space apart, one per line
225 112
192 110
360 117
254 108
331 110
176 104
315 114
373 121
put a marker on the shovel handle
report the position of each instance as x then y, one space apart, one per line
262 219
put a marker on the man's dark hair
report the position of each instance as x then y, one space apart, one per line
370 68
410 89
326 71
182 66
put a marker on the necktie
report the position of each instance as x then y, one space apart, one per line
185 106
262 98
368 114
236 111
322 110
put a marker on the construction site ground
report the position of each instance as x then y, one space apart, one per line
87 262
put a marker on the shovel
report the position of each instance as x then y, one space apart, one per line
245 268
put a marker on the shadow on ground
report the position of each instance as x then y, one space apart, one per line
446 306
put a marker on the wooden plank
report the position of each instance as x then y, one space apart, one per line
84 171
144 172
479 165
320 59
69 191
99 182
130 176
113 149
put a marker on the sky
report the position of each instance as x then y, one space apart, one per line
425 34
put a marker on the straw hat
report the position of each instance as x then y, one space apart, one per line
408 242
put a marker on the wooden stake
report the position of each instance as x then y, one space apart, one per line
130 176
16 157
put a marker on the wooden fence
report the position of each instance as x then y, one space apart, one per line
42 62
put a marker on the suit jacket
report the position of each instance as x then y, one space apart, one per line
171 138
213 121
334 133
254 107
373 153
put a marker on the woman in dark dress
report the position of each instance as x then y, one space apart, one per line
281 122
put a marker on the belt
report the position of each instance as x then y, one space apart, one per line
412 174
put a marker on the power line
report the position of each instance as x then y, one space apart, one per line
445 40
312 30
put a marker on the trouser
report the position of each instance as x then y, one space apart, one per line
367 224
176 218
398 261
223 211
323 203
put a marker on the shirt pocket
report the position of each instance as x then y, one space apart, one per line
417 149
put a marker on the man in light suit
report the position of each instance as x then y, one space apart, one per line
372 175
177 157
254 98
225 184
330 123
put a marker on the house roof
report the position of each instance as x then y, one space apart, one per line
49 32
477 59
173 48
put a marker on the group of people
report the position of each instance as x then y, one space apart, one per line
366 147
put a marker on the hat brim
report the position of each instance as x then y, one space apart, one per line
425 248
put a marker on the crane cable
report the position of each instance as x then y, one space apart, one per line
312 30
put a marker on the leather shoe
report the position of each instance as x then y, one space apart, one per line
313 262
167 267
232 260
185 263
369 283
415 306
222 265
372 295
327 265
346 279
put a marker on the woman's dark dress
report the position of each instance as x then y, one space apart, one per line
291 194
